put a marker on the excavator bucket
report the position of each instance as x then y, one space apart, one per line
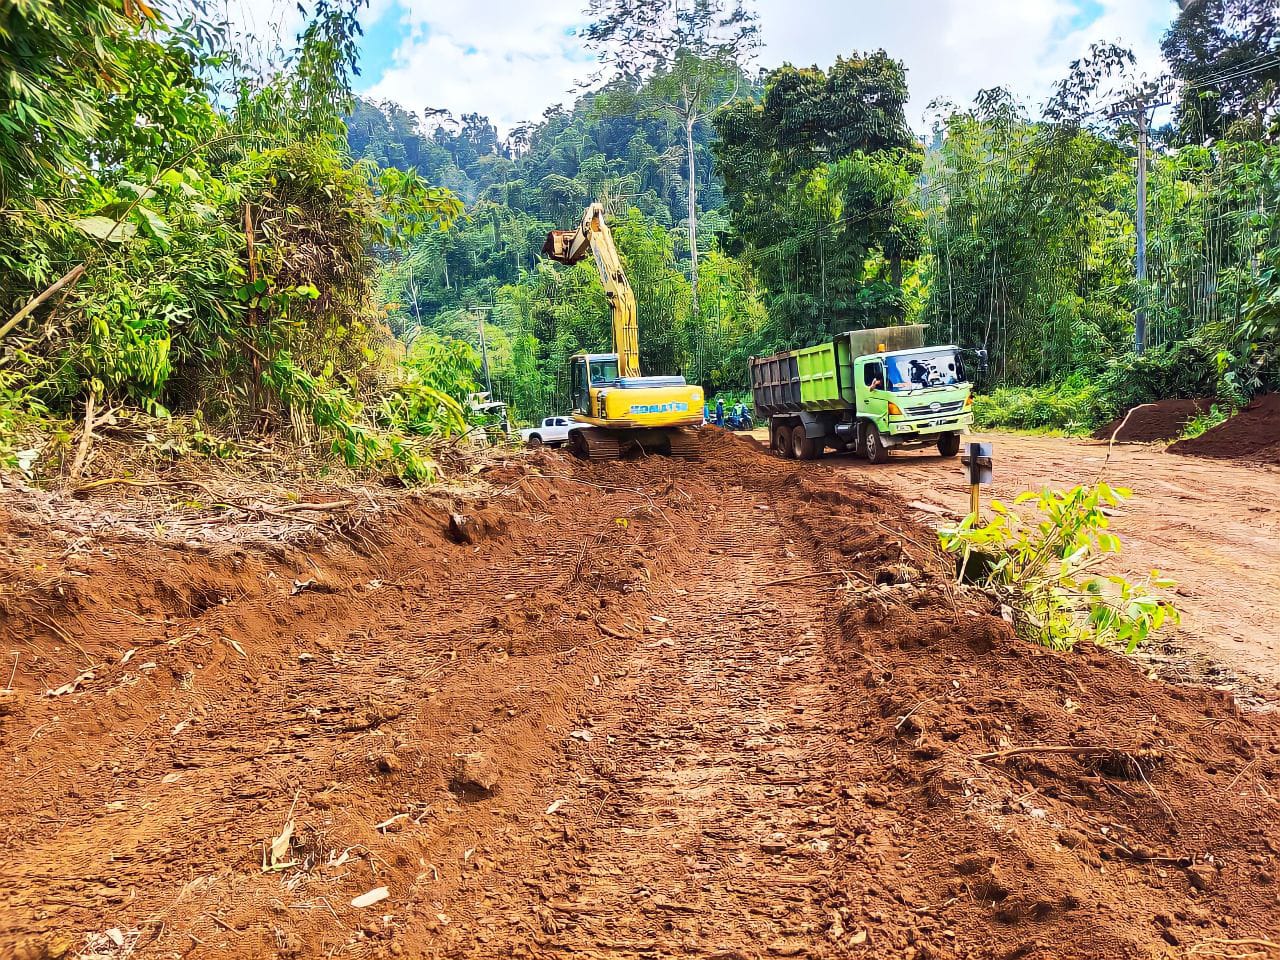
560 246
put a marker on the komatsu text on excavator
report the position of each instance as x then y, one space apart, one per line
625 410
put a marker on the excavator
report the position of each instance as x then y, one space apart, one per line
624 410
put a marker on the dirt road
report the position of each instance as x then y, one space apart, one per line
724 709
1211 525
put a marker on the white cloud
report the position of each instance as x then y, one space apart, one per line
510 59
954 48
507 59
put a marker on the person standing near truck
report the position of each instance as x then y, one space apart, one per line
719 411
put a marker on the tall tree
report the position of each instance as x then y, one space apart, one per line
817 178
685 57
1224 52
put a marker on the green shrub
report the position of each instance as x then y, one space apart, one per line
1042 571
1075 406
1202 422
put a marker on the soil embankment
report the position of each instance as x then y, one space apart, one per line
1251 436
1153 422
734 708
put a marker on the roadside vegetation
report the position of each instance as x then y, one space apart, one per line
186 240
1042 570
195 232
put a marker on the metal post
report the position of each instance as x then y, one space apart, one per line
975 502
1140 315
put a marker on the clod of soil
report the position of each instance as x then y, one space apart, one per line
1252 435
1153 422
477 773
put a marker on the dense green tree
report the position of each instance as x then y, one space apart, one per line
1023 219
1224 53
817 176
687 61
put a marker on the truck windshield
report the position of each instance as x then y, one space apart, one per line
914 371
603 371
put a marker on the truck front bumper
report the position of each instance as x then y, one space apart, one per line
925 430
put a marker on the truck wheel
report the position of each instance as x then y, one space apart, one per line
949 443
802 447
535 441
783 435
873 447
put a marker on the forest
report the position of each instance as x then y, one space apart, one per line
233 245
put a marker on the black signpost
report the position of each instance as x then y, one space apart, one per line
978 462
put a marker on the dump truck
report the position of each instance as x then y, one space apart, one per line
868 391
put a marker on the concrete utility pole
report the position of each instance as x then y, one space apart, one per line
1140 317
1138 108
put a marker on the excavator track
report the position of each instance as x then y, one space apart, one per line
592 443
685 444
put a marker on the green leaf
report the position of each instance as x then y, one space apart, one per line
104 228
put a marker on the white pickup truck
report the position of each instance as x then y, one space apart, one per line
553 432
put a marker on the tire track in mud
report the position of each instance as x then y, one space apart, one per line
698 819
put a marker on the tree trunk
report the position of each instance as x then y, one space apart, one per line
255 361
693 210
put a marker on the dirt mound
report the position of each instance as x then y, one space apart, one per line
1252 435
1065 804
1153 422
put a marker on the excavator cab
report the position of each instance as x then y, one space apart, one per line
589 370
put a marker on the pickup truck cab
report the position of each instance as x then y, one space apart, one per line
552 432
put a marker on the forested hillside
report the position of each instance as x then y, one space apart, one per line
1013 230
190 228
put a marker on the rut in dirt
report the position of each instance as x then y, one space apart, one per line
698 816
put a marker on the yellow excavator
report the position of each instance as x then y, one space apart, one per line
624 409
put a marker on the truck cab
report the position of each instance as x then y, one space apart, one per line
913 394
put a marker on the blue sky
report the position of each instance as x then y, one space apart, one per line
510 59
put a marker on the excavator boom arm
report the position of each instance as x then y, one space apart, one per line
594 236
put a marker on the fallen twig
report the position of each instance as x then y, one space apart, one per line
86 438
70 277
1047 749
806 576
1204 947
218 921
284 511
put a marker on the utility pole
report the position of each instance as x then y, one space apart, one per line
1140 316
1138 109
484 351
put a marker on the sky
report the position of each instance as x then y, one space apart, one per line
511 59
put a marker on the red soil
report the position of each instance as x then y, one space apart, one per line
1252 435
735 708
1153 422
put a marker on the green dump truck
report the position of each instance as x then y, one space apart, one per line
868 391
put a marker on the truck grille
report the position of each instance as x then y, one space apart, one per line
935 409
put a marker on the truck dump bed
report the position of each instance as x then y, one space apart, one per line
819 378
